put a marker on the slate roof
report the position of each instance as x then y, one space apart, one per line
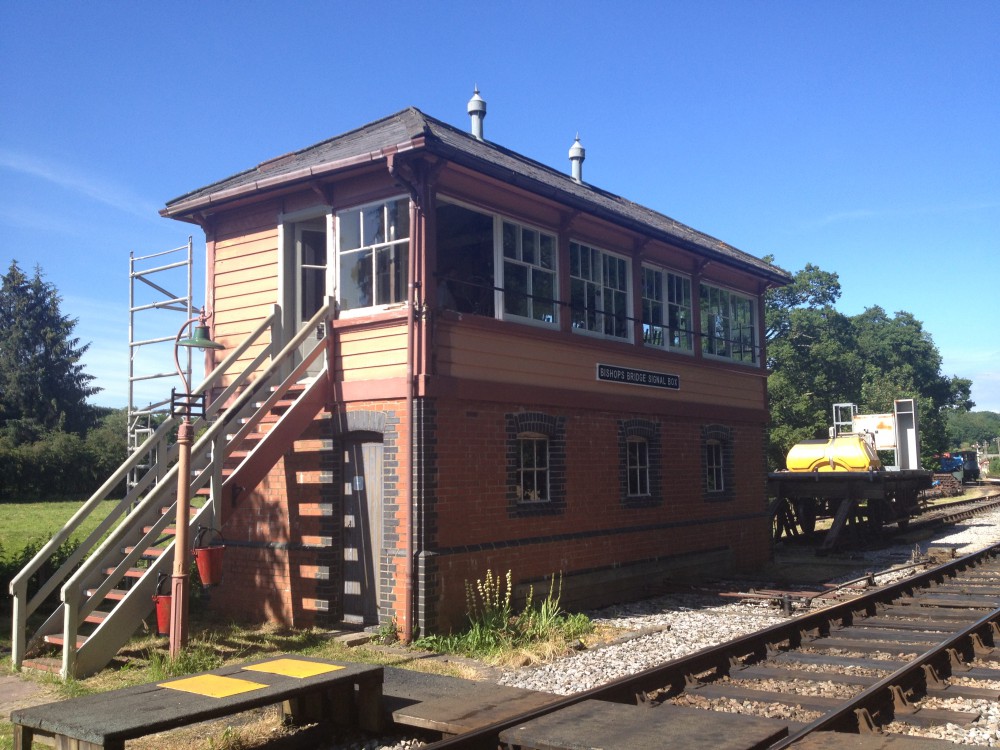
397 132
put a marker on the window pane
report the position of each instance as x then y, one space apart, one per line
509 240
390 272
547 251
527 454
621 315
515 282
543 306
374 224
356 279
313 291
313 247
349 223
529 246
399 219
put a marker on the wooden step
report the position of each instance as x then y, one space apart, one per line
58 640
114 594
97 617
43 664
152 552
130 573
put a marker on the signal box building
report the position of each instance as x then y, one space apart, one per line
518 371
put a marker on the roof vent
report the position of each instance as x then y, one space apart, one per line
576 156
477 111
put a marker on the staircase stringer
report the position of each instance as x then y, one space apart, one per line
115 631
110 555
275 443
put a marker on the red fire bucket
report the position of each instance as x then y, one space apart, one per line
162 614
209 560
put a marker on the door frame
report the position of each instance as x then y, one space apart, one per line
289 278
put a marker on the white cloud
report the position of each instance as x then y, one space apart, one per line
90 186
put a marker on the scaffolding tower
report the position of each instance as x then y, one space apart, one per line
146 332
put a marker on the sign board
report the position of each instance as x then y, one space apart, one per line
631 376
882 426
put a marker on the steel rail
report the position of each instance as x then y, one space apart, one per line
674 674
874 699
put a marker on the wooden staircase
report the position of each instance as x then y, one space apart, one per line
107 598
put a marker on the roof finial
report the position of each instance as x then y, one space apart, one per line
477 111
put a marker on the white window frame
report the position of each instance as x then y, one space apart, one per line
601 290
723 324
715 467
500 272
393 242
639 469
544 493
666 302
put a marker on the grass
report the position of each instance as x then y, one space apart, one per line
22 524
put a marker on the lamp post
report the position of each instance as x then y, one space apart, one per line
182 405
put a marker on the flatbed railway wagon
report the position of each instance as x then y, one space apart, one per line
844 479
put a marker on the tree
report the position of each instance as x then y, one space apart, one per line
819 357
811 288
43 385
814 365
901 361
966 428
812 359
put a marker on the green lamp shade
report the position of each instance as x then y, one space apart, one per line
200 340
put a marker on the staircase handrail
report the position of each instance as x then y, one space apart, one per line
72 590
139 548
278 394
125 505
200 445
19 582
18 587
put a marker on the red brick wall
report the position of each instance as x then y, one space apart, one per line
277 538
472 524
477 529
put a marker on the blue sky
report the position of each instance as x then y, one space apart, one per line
862 137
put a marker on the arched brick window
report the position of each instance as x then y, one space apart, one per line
640 461
536 463
717 462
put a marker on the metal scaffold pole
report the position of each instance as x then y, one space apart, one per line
149 278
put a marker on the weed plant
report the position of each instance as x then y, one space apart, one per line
495 632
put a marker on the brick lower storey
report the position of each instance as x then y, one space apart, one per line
291 555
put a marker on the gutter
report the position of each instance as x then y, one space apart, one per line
178 208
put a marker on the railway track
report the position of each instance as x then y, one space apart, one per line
866 671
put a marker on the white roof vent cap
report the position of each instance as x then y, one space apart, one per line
477 111
577 154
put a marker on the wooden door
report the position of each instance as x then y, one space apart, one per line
362 528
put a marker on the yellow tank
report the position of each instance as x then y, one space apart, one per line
842 453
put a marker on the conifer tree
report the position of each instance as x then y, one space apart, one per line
43 385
